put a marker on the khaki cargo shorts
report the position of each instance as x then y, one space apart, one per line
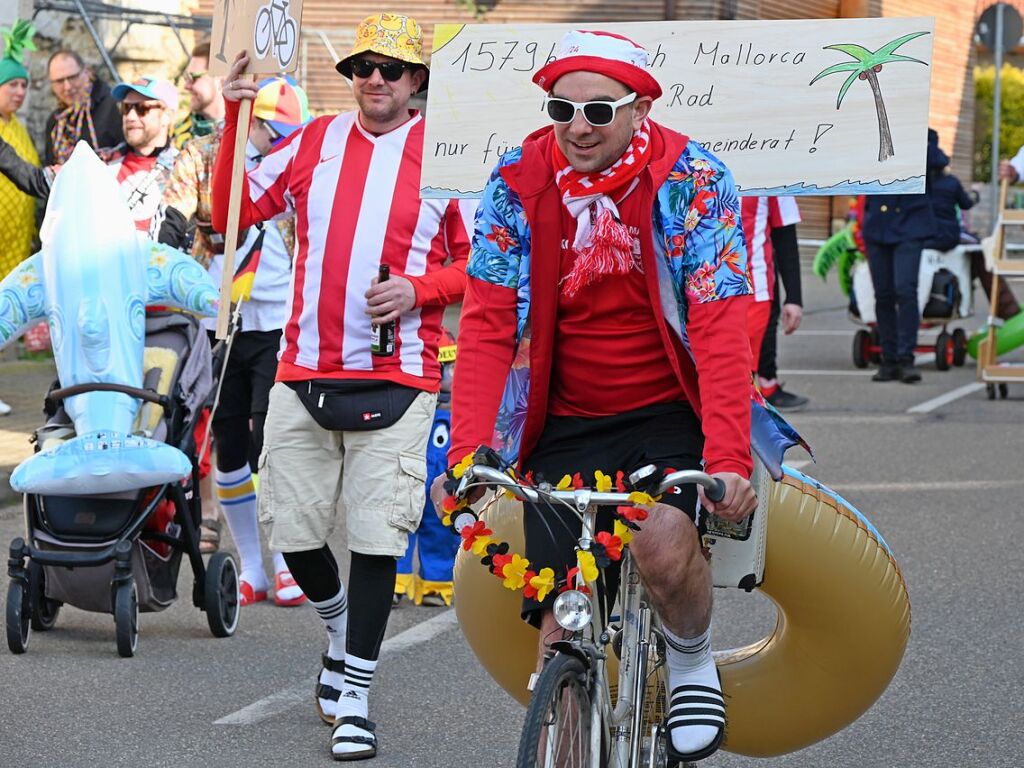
375 479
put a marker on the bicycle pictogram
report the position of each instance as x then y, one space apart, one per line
275 32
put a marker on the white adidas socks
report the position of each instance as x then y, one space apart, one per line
292 592
353 702
690 663
237 496
334 614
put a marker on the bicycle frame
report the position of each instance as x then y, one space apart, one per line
623 720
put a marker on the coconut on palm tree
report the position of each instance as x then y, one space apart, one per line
866 66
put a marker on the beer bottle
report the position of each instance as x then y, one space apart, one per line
382 337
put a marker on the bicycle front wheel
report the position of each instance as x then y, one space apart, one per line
556 733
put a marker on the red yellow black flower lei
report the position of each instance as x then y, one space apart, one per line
513 569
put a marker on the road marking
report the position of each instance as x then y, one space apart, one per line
302 693
798 463
937 402
804 417
938 485
801 372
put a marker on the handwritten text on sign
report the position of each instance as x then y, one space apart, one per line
267 29
833 106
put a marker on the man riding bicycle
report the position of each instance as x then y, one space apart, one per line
604 328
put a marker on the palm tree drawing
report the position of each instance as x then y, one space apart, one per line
866 66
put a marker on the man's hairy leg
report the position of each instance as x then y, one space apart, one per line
675 573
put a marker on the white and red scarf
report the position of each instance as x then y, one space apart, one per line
603 244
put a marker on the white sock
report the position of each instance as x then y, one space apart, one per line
237 496
280 566
355 694
334 613
690 662
353 702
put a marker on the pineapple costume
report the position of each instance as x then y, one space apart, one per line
17 210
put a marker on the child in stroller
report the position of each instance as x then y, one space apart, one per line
120 553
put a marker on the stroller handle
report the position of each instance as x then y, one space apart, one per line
146 395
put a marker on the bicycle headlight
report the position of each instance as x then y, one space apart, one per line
572 610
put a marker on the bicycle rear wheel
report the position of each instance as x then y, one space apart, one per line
556 733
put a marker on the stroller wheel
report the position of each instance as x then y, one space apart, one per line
221 595
44 610
19 612
126 617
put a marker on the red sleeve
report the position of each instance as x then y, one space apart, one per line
486 347
448 284
721 350
220 187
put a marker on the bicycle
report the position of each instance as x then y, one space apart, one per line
276 30
576 719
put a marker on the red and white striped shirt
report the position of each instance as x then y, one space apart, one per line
760 216
355 197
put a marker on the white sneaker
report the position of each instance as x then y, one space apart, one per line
4 408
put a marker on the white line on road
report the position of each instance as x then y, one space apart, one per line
937 402
801 372
938 485
798 463
302 693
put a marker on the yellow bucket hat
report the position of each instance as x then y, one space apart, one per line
389 34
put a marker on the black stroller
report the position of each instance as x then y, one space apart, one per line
120 553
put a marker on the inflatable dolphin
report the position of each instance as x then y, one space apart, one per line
92 280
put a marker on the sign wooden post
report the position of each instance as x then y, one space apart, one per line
268 30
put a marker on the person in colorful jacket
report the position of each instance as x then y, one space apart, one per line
605 328
265 256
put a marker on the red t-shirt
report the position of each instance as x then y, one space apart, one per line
609 357
141 183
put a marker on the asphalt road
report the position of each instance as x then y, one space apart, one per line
944 486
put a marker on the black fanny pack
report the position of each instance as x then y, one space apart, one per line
354 406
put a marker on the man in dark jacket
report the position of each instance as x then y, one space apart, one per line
896 228
947 196
86 111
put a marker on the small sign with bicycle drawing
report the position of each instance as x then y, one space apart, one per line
267 29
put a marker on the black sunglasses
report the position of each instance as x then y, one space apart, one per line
389 70
139 108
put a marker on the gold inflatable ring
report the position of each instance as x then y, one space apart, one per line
843 622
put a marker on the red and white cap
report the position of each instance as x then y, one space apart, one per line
606 54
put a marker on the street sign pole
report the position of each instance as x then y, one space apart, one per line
997 108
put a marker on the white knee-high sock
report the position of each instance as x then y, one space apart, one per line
334 614
237 496
690 662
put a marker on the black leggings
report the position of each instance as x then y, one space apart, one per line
236 444
371 584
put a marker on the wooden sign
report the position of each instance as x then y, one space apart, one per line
267 29
806 107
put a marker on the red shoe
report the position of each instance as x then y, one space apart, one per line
248 595
286 592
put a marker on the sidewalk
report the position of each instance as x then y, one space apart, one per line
23 384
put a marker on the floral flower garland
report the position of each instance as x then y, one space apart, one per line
513 569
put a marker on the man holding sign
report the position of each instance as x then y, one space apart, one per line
344 423
612 249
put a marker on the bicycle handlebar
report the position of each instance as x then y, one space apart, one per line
714 488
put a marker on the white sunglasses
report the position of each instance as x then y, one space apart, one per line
597 113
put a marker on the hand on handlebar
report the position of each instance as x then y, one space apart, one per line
437 494
739 499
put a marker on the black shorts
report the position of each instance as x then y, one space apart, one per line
667 435
250 374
